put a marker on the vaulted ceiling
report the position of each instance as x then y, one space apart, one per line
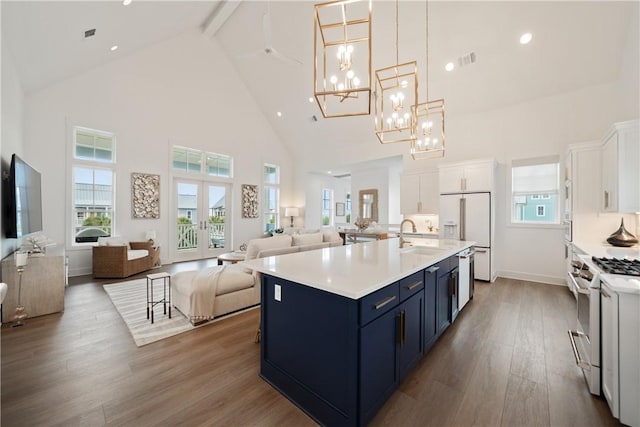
575 45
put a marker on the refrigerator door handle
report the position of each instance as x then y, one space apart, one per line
463 214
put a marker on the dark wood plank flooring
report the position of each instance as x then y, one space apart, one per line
506 361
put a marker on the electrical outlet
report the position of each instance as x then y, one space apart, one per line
277 290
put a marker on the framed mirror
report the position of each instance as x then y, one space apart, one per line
368 200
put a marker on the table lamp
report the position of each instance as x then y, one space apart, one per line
151 235
291 212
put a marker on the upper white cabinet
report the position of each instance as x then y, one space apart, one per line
467 177
621 168
419 193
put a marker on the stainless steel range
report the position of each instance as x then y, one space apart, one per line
626 267
585 339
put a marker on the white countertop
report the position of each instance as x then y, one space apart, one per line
622 284
604 249
354 271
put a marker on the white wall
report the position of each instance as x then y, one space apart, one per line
182 91
11 142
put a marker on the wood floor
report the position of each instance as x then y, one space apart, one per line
506 361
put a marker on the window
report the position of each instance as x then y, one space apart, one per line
535 188
348 208
219 165
188 160
327 206
271 197
93 184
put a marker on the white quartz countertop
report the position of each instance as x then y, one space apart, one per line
604 249
354 271
622 284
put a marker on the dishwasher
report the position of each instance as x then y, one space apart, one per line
466 281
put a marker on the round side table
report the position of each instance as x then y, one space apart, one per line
231 257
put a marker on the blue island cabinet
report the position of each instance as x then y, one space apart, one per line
337 358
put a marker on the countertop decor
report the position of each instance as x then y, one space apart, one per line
622 237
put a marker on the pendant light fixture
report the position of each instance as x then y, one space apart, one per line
342 58
429 116
396 97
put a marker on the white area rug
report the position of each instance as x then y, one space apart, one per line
130 299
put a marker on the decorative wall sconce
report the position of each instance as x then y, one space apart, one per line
342 58
429 132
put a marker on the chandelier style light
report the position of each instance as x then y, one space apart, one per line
396 97
342 56
429 116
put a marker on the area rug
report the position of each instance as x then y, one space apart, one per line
130 299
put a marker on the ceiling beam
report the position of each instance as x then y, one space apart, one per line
219 16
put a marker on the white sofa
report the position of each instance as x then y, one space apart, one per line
203 295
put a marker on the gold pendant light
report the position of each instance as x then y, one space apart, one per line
342 56
429 116
396 97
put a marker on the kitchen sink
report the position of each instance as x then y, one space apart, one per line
421 250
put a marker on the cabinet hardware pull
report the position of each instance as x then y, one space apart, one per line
605 293
481 250
403 321
581 363
384 302
606 199
414 285
432 270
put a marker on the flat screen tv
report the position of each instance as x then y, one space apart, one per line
23 200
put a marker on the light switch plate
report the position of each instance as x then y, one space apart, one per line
277 292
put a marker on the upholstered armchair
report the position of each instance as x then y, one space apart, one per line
117 258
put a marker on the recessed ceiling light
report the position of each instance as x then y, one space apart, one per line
126 2
279 114
114 47
329 172
310 99
526 38
450 66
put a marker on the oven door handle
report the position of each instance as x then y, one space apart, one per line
580 362
580 289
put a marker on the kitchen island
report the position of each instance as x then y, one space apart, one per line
343 326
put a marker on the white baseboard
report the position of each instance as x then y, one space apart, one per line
82 271
538 278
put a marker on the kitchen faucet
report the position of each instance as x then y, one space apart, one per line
413 226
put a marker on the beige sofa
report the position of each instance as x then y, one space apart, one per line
206 294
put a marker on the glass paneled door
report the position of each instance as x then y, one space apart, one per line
201 219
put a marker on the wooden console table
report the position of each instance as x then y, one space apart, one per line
351 236
43 284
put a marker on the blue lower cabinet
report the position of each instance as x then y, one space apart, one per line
443 302
430 326
340 359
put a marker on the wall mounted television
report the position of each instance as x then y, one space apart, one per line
22 200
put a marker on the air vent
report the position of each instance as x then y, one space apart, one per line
467 59
90 33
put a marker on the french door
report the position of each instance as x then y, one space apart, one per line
202 215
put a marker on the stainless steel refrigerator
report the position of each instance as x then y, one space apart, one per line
468 217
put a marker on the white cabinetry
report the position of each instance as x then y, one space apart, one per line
419 193
621 168
467 177
620 342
